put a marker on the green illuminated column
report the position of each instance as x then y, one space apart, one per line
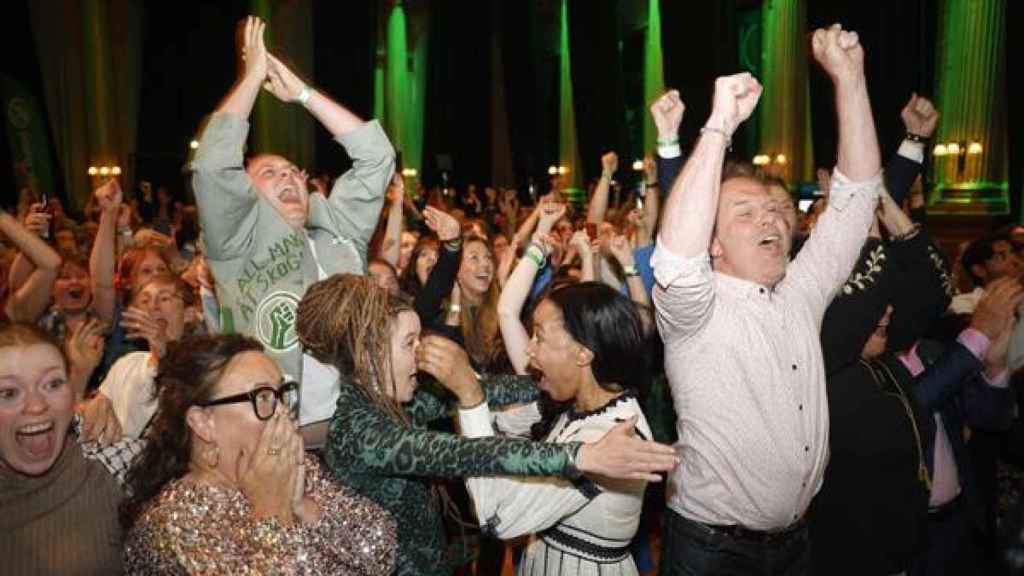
971 82
568 151
784 113
88 54
400 82
654 76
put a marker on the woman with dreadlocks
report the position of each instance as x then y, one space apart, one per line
378 443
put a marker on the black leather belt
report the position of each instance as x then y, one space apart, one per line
943 511
757 536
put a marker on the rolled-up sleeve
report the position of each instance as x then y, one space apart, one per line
828 256
684 293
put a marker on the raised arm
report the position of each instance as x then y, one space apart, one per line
828 256
103 256
841 55
599 201
358 195
667 112
288 87
693 202
919 119
623 253
391 247
517 289
224 192
29 300
253 54
441 279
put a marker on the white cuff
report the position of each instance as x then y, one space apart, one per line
670 151
476 422
912 151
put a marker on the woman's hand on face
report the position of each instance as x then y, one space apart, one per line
270 475
619 454
449 364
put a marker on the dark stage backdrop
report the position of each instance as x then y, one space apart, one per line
188 64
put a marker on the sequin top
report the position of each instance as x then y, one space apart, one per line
198 529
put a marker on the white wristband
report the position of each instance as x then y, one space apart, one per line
304 95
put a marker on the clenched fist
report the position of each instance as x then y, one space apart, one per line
839 52
667 112
734 101
920 116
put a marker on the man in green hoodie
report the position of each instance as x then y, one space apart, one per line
267 238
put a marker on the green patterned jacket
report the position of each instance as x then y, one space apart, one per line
378 457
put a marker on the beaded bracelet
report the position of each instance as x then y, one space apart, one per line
723 133
535 254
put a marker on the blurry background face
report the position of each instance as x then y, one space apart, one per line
405 339
786 206
1004 262
879 338
385 277
66 243
36 406
165 304
499 244
72 291
425 263
406 247
235 426
476 270
150 265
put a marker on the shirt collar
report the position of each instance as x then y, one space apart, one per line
740 288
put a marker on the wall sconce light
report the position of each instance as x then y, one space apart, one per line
762 160
115 171
93 171
104 170
552 170
974 148
940 150
194 144
563 170
781 159
409 172
638 165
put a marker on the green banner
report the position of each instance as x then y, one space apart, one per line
26 135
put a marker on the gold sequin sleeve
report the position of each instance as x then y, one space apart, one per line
194 529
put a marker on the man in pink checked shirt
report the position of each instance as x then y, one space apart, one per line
740 324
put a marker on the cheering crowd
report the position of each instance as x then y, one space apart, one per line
297 375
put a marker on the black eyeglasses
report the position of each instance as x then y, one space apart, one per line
264 400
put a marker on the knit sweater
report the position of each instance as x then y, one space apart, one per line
64 522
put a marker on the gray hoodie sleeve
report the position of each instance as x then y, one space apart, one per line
227 201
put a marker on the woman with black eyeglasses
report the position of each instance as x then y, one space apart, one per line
224 485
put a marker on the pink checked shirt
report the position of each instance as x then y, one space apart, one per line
745 367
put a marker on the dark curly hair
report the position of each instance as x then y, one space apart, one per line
186 377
